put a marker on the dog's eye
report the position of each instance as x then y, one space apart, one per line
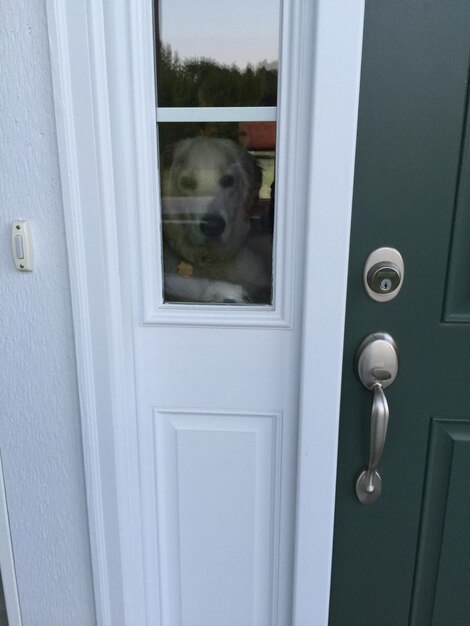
188 183
227 181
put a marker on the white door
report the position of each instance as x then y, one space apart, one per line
195 380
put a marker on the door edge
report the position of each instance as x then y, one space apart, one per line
334 103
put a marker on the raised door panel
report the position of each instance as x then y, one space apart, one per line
442 576
217 484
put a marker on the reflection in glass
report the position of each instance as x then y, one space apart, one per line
216 53
217 183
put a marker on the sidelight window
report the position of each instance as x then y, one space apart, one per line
217 79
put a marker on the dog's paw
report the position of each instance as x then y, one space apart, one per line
227 293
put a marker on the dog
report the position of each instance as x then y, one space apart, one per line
209 190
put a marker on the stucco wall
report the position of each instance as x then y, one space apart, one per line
40 438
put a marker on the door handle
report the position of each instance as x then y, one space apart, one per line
377 367
369 483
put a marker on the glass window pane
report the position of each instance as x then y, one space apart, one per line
217 53
217 185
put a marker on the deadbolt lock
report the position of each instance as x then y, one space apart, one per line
384 272
383 277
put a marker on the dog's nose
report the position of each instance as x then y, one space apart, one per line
212 225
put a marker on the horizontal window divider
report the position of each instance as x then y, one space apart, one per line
216 114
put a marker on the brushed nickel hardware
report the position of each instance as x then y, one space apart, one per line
384 272
377 367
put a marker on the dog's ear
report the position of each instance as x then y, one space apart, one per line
254 176
167 155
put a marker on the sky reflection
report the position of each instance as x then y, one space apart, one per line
240 31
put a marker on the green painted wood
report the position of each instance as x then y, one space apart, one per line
410 156
442 574
452 598
457 306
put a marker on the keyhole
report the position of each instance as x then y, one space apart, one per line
385 284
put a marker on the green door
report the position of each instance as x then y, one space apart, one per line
405 560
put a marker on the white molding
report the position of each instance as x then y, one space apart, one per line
290 186
216 114
78 59
221 316
336 51
7 562
62 59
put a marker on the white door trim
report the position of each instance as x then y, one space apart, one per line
82 34
337 62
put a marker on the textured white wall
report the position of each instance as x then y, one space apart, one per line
40 437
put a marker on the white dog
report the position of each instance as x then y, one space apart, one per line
208 192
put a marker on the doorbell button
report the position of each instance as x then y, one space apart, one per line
22 245
383 274
19 246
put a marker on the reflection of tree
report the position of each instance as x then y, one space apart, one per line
203 82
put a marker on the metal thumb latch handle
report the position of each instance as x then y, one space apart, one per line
377 367
378 432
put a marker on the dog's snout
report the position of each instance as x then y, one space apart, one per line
212 225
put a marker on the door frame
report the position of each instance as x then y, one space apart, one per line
324 86
7 560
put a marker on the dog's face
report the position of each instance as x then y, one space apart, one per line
208 190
